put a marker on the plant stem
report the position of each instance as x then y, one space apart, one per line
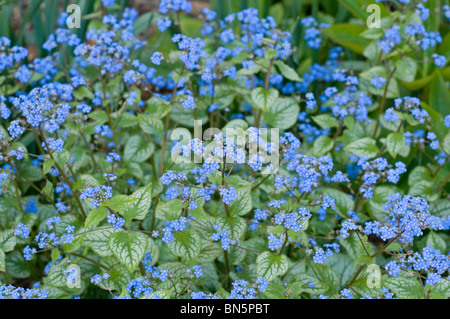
90 260
385 146
90 151
152 227
262 181
440 187
227 268
19 200
110 121
36 188
61 171
284 243
166 125
6 277
383 101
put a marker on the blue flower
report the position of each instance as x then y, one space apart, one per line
163 24
156 58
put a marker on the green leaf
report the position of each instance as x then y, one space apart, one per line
222 293
372 33
349 121
343 265
2 260
317 288
322 146
158 106
128 247
441 290
418 174
61 158
136 150
169 210
55 277
277 12
33 173
288 72
99 116
363 260
98 240
270 54
380 196
348 35
190 26
275 291
161 294
278 229
282 114
327 276
86 181
363 147
359 8
120 203
326 121
140 208
75 245
367 76
394 246
439 94
185 117
446 71
48 189
83 92
243 203
419 83
125 119
47 165
187 244
343 201
405 288
352 245
264 99
425 190
444 47
270 266
17 266
436 241
199 212
446 144
235 226
120 276
406 69
55 254
440 208
153 250
151 124
95 216
394 143
253 70
237 123
7 242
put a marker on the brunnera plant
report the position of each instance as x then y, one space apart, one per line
323 171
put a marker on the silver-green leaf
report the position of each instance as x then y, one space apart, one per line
128 247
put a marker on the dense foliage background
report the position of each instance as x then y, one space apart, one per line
94 202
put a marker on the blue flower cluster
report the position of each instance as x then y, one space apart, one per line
408 217
430 260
